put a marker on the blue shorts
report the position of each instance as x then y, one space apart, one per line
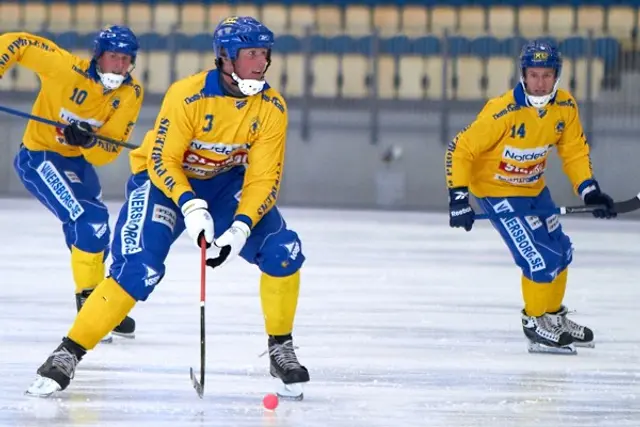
149 222
538 244
70 189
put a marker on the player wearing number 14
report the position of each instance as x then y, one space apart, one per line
57 165
501 158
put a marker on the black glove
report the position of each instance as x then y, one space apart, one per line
461 214
79 134
592 195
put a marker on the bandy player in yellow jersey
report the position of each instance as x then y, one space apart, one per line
500 158
212 165
57 166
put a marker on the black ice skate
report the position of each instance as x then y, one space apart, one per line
125 329
582 336
285 367
545 336
58 370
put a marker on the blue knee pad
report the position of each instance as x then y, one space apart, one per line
281 254
138 275
567 250
91 231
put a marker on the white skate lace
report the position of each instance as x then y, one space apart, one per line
65 362
284 355
545 327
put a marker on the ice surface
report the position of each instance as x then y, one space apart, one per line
401 322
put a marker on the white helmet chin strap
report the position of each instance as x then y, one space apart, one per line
111 81
248 87
540 101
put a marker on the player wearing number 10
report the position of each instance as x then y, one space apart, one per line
57 165
500 158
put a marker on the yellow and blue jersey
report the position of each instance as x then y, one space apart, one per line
71 91
200 133
503 153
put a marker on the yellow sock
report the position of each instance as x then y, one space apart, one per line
279 297
535 297
556 295
87 268
105 308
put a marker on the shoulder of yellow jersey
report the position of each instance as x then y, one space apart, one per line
499 106
564 98
188 89
274 97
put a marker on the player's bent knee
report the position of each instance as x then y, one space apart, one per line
138 277
567 250
281 254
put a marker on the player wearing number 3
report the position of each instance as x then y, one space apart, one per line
500 158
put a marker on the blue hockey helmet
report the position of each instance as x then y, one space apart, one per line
117 39
242 32
540 54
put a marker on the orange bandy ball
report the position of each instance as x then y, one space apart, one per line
270 402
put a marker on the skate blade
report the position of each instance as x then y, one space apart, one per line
290 392
124 335
584 344
42 387
108 339
545 349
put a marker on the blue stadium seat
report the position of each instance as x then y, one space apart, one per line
397 45
486 46
202 42
152 41
573 47
458 45
287 44
427 46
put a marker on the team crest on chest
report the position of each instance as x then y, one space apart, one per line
255 125
542 113
559 126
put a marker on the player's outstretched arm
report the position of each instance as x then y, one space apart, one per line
38 54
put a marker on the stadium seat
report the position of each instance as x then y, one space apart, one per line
443 18
597 74
386 19
87 17
568 73
60 17
35 16
246 9
26 80
468 71
358 19
139 17
325 70
434 67
10 16
159 71
472 20
415 20
296 80
302 16
386 77
561 21
186 64
501 75
411 70
276 71
328 19
113 13
165 17
355 74
192 18
502 20
590 18
531 21
217 12
276 17
621 21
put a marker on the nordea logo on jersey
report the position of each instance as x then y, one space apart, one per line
525 155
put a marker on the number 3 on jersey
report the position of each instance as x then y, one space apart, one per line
209 123
518 130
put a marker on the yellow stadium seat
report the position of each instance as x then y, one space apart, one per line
35 16
500 71
187 63
469 72
443 18
358 19
567 74
112 13
9 16
60 17
325 69
591 18
296 79
531 21
386 77
217 12
276 70
192 18
87 17
165 17
472 20
561 21
329 19
247 9
139 17
386 19
434 68
26 80
412 72
275 16
302 16
415 20
502 21
6 83
620 21
159 67
597 74
355 70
